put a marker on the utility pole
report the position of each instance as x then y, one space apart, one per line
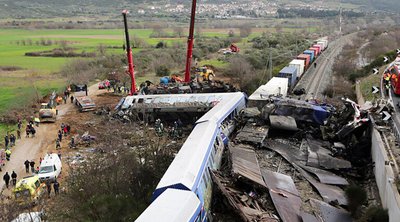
340 17
270 65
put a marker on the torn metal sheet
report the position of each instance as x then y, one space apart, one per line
244 163
252 134
330 213
329 162
251 112
283 122
328 192
325 176
295 157
308 217
324 158
284 195
249 210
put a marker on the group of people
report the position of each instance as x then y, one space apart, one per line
7 178
30 129
64 131
29 164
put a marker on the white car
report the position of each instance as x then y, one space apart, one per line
50 168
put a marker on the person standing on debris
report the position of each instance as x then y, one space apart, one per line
33 131
14 178
315 65
56 187
72 99
60 135
26 163
65 130
6 179
387 87
12 140
68 128
32 164
6 140
72 143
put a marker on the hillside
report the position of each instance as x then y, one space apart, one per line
10 9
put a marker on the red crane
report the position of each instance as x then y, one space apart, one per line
190 42
129 55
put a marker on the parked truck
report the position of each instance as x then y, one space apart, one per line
48 111
82 100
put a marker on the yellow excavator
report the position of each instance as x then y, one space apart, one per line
205 73
48 111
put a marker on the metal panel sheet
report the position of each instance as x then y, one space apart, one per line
326 176
308 217
330 213
284 194
244 163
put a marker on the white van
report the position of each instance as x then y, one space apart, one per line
50 168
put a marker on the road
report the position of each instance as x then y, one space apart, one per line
34 148
315 80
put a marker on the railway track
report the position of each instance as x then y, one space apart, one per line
316 79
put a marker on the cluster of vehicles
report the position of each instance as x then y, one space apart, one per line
184 192
30 189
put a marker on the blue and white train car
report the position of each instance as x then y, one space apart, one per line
173 206
201 152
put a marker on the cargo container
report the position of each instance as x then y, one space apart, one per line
311 53
306 59
325 40
299 65
275 87
318 47
315 50
322 44
290 73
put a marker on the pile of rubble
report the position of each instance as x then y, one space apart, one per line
292 160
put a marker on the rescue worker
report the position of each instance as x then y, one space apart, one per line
14 178
18 134
48 184
8 154
387 78
26 163
387 87
72 143
56 187
58 145
72 99
60 135
6 179
6 140
32 164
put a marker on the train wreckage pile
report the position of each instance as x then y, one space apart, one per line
292 160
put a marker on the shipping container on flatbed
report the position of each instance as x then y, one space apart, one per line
299 65
318 47
276 86
311 53
322 44
290 73
306 58
315 50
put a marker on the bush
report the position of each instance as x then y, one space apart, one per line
375 214
356 197
162 70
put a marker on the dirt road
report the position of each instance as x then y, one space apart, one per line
34 148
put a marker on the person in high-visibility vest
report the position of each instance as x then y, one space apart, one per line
8 154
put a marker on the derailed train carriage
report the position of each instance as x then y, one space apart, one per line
190 170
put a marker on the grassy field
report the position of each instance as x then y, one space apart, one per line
37 78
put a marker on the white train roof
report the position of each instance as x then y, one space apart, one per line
220 111
176 98
172 206
275 87
190 160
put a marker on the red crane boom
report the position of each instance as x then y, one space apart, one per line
129 55
190 42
